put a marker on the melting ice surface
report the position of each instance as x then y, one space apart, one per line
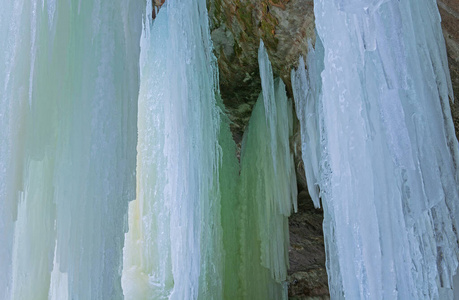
378 139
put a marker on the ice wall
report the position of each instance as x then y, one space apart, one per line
174 247
378 136
69 85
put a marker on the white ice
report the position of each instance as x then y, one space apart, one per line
387 158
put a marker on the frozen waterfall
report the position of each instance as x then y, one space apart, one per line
197 229
379 144
68 107
119 175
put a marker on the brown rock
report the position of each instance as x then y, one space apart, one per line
237 26
449 11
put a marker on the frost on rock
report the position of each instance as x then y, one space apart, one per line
379 141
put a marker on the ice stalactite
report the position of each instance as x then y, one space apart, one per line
268 190
229 182
174 248
378 136
69 85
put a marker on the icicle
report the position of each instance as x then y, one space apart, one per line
306 85
229 185
68 110
268 190
174 247
387 164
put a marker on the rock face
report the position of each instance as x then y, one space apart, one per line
237 27
449 10
307 274
285 27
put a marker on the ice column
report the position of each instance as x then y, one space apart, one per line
387 161
268 189
68 92
174 247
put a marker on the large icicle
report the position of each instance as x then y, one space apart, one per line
268 191
174 247
388 172
68 90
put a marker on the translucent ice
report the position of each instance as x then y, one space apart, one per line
174 247
387 158
203 227
68 92
268 191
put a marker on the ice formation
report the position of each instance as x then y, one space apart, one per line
268 189
68 109
379 141
201 226
174 247
196 225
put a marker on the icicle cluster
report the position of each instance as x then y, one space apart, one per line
277 173
268 191
378 136
195 227
174 246
68 109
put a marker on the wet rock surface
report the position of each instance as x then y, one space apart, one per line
307 274
449 11
237 27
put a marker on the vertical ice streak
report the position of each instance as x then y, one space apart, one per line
229 184
307 85
69 85
388 154
174 245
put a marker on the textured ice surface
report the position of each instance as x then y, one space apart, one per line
306 85
387 159
268 190
68 113
174 247
68 92
197 229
